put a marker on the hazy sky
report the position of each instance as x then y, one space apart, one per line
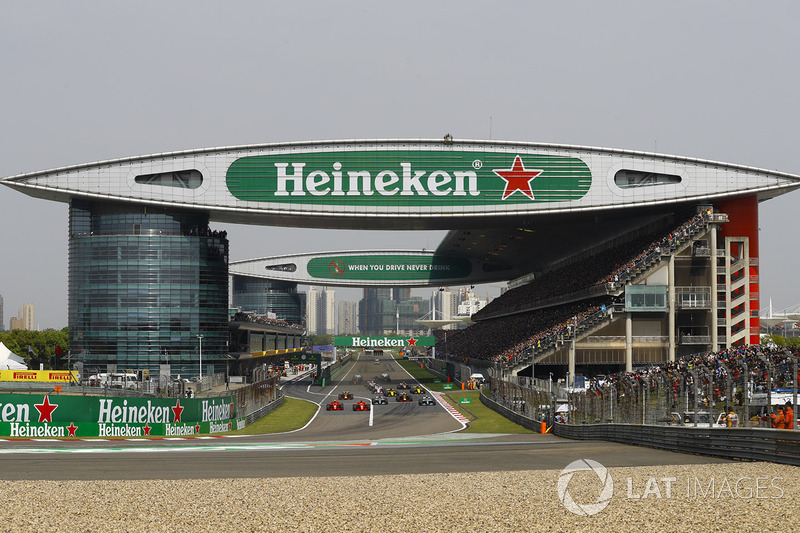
87 81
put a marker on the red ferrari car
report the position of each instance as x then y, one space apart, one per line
335 406
361 406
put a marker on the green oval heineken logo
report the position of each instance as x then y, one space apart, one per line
408 177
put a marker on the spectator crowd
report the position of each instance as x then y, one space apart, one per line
511 328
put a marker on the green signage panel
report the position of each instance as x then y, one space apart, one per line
64 416
414 178
303 358
383 343
465 400
389 267
447 386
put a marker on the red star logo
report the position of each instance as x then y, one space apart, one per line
197 429
176 411
412 341
72 427
147 429
517 178
46 410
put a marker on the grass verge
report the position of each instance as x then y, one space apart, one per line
481 418
293 414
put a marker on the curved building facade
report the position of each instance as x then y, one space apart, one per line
144 284
265 296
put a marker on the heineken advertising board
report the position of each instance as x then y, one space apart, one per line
384 342
413 178
389 267
49 415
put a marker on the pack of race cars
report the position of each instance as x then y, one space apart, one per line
381 395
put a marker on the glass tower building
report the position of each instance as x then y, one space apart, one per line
144 284
263 296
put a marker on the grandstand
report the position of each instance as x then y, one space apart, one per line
612 309
608 265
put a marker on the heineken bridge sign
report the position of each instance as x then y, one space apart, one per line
413 178
383 343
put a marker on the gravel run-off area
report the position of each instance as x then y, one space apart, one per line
720 497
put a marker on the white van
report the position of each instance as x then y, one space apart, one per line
121 380
478 377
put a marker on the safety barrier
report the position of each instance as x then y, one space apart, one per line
524 421
528 406
773 445
266 409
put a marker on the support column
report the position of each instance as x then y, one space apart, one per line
714 293
571 364
672 305
628 343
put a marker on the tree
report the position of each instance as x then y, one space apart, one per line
39 347
321 340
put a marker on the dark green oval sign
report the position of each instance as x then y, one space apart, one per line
389 267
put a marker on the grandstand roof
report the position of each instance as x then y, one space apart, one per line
535 204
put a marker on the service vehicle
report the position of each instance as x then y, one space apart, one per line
427 400
335 406
346 395
478 377
361 406
403 398
380 400
115 380
687 418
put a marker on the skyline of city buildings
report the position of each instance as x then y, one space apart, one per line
320 311
24 319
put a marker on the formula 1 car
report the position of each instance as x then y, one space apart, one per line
361 406
417 390
385 377
403 385
403 398
380 400
335 406
346 395
427 400
391 392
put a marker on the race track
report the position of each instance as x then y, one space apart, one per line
398 438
